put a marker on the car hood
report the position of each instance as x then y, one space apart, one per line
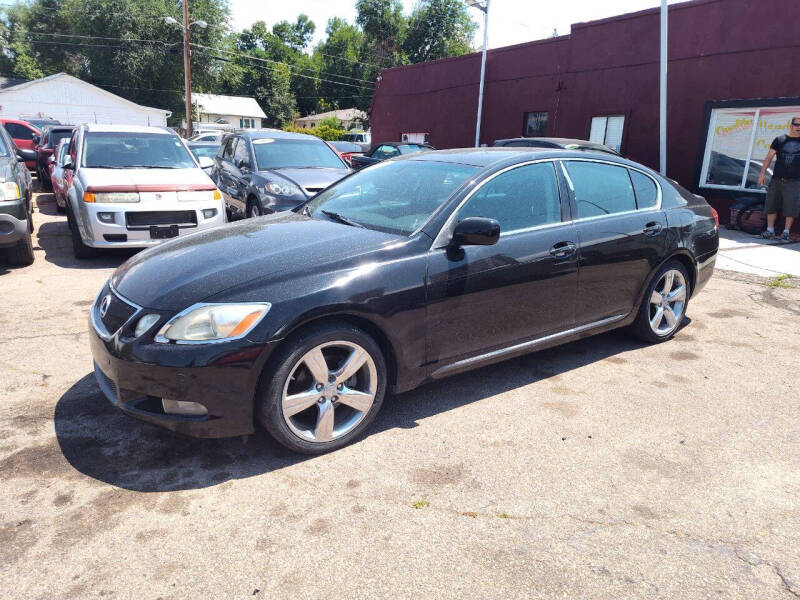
309 180
136 179
176 274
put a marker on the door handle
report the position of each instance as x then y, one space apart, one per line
652 228
563 249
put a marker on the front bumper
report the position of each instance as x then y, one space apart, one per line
121 234
135 375
12 230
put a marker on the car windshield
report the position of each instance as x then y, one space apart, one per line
274 153
411 148
3 147
209 151
395 196
130 150
346 146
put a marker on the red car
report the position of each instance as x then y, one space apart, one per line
347 150
22 133
45 145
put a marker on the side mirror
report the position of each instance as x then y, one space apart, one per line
25 155
51 159
476 231
68 163
242 164
36 138
205 162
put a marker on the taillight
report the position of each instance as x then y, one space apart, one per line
715 214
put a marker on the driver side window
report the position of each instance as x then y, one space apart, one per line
523 197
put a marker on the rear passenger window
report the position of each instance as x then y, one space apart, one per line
600 189
645 188
520 198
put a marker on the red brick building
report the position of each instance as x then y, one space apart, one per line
733 83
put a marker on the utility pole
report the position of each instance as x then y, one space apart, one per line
187 68
484 6
663 92
187 63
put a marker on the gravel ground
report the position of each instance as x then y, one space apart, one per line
600 469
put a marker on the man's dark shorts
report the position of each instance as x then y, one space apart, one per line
783 195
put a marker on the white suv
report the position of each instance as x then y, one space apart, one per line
132 186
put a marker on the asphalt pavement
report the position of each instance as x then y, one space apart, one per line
600 469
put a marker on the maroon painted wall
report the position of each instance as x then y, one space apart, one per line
718 50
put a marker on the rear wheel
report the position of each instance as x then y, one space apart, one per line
324 388
664 304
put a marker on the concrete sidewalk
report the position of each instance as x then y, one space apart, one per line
745 253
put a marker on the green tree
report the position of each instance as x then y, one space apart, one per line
340 69
438 29
295 35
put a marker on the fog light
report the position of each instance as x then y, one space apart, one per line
145 323
209 213
106 217
179 407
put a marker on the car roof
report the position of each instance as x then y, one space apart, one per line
560 142
204 144
484 157
277 134
127 128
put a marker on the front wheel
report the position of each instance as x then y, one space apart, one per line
79 249
323 389
22 252
254 209
664 304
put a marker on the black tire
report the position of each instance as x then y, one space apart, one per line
79 249
641 328
254 208
270 391
44 181
22 252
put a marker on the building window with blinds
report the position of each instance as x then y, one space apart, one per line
608 131
737 143
535 124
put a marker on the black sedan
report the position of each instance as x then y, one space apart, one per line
386 150
406 272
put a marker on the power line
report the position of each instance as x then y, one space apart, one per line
290 67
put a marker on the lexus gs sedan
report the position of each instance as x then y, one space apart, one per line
412 270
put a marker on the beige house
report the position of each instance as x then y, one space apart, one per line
351 118
227 112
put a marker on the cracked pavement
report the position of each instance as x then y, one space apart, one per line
600 469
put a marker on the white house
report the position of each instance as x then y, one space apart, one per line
73 101
227 112
351 118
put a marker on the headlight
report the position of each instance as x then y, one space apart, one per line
213 322
111 197
199 196
10 190
281 189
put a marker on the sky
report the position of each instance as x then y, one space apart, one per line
510 21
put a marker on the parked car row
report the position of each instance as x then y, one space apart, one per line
16 206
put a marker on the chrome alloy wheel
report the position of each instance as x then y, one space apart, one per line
667 303
329 391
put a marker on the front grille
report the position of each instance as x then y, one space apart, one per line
143 219
106 384
118 311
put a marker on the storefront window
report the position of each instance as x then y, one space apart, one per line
735 148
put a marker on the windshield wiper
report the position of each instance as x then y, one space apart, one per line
151 167
340 218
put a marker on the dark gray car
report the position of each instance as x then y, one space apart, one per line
267 170
16 210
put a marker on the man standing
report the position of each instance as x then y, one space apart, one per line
784 189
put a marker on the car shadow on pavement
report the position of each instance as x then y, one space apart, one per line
103 443
54 239
46 204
